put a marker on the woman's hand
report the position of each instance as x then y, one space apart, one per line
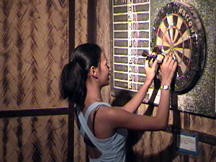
167 70
150 70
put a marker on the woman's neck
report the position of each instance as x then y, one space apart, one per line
93 93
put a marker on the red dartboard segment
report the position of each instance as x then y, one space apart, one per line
178 31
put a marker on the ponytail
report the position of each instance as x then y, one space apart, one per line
73 83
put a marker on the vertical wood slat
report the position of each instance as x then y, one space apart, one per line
71 129
81 28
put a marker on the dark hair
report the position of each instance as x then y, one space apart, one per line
74 74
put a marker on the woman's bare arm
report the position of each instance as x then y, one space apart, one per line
120 118
135 102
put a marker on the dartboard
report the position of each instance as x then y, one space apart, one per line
178 31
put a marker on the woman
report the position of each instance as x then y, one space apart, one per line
103 127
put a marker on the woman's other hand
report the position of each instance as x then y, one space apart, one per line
167 70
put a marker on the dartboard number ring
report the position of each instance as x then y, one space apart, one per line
178 31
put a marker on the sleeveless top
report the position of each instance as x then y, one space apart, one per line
112 148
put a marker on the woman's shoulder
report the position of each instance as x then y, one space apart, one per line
96 104
111 113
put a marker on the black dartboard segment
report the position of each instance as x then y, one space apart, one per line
178 30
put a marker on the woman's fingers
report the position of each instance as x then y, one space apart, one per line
168 68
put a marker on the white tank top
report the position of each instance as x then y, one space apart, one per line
112 148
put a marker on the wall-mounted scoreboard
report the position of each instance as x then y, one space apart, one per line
131 35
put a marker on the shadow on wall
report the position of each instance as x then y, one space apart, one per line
166 155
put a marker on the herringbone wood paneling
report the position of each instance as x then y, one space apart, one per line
34 48
34 139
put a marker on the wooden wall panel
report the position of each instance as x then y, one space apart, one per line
33 49
103 36
81 36
81 21
33 139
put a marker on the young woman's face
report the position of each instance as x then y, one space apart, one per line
104 71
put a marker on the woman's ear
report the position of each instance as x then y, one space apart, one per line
93 72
